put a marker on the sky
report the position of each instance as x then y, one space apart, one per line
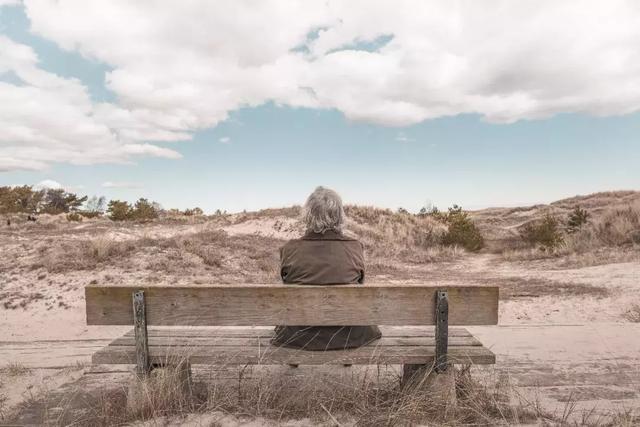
237 105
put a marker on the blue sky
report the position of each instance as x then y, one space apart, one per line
272 150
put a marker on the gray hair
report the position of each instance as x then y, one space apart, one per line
323 211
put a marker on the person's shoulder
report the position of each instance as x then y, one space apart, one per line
350 236
351 240
291 243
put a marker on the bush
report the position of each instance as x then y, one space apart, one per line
57 201
462 231
577 218
193 212
619 226
91 214
144 210
119 210
24 199
74 216
545 232
433 212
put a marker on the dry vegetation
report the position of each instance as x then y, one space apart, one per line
223 248
369 397
633 314
45 261
611 232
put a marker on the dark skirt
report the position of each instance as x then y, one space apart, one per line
321 338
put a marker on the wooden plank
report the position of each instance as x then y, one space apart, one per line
254 332
143 367
265 341
246 305
279 355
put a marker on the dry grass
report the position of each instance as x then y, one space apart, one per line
14 299
210 253
14 369
610 237
60 257
250 258
372 397
400 236
633 313
390 239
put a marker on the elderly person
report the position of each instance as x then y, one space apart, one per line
323 256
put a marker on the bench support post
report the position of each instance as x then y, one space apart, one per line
440 362
143 367
442 331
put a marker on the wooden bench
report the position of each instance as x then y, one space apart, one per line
400 308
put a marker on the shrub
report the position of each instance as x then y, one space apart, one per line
144 210
90 214
545 232
193 212
619 226
119 210
577 218
74 216
22 199
462 231
57 201
432 211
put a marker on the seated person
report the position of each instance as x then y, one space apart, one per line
323 256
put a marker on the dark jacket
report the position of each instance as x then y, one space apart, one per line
323 259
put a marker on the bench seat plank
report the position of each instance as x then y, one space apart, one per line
265 341
251 346
240 355
267 331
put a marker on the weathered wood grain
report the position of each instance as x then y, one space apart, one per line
143 367
246 305
265 341
442 330
234 355
250 332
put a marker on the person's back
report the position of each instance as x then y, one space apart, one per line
323 256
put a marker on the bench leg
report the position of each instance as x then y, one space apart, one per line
411 372
164 383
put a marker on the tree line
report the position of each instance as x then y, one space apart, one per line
28 200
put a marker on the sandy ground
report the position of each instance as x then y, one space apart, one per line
562 335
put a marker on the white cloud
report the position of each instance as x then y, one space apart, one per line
179 69
110 184
225 140
401 137
48 119
49 184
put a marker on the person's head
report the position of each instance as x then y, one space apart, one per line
323 211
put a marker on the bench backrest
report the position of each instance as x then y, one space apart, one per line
253 305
